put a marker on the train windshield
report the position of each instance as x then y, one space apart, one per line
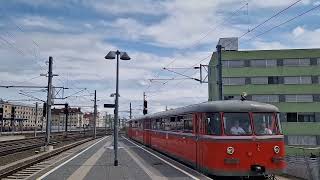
265 123
237 124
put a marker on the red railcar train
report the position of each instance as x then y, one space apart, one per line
223 138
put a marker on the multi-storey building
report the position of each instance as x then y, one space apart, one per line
88 119
289 79
21 116
75 118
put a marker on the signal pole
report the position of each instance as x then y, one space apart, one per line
49 97
95 114
66 111
35 121
130 111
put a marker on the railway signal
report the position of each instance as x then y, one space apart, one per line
145 104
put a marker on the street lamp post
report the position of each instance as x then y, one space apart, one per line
123 56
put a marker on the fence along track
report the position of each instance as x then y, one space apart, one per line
303 164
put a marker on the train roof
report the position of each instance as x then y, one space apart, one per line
216 106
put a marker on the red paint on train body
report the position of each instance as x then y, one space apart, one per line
221 154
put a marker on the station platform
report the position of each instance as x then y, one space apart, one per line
135 162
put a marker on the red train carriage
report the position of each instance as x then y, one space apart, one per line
224 138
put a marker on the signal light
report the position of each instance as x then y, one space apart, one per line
44 109
145 107
66 109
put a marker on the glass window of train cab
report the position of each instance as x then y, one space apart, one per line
187 123
237 124
265 123
213 121
279 123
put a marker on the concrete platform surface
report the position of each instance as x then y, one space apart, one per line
135 163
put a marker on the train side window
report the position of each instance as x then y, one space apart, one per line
179 123
172 123
213 123
166 122
187 124
154 124
162 124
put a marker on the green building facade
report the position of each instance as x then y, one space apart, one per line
289 79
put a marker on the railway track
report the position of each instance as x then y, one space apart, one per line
20 145
38 162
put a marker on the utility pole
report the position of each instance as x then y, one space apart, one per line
44 113
105 122
95 114
35 120
66 111
130 111
219 68
48 123
13 111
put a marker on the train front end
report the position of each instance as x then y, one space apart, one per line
250 144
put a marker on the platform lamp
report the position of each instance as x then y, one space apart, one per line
123 56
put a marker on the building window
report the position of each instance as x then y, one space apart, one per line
264 63
306 117
298 80
259 80
265 98
233 64
296 62
299 98
233 81
318 61
273 80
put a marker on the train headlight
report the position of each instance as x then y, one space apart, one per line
276 149
230 150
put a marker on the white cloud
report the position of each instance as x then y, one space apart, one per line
265 45
316 3
126 7
307 38
275 3
41 22
298 31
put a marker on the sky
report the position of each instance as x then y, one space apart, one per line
156 34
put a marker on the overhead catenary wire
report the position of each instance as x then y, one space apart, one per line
188 69
265 21
273 16
260 24
195 43
285 22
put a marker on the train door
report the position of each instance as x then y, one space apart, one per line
199 131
